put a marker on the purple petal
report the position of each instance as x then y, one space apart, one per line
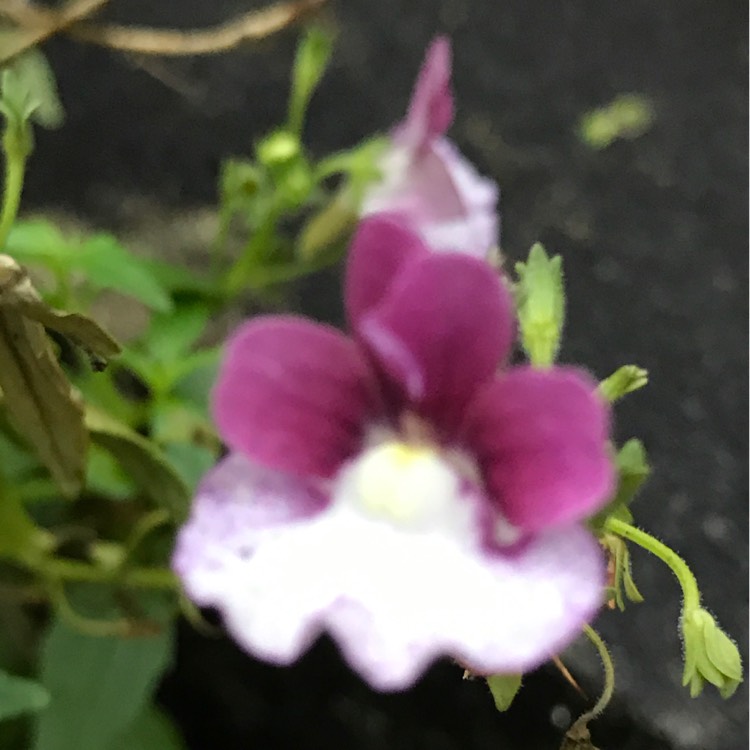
441 331
396 601
541 438
431 108
381 247
236 504
293 395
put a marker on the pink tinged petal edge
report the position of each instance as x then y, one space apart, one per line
442 330
396 601
441 196
293 395
237 502
541 439
381 247
476 229
431 107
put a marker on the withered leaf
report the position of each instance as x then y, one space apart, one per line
578 736
18 293
39 400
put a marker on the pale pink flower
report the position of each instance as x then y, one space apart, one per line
426 180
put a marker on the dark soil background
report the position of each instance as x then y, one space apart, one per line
654 237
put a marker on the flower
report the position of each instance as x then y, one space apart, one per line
425 178
393 488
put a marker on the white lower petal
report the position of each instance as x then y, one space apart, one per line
393 598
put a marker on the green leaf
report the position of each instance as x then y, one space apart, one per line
20 696
143 461
152 730
540 299
29 90
38 241
100 258
504 688
625 380
191 461
313 54
99 685
332 224
632 471
18 534
108 265
173 334
105 476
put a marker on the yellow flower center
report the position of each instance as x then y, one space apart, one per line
404 483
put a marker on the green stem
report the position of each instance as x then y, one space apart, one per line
690 591
16 152
77 571
609 673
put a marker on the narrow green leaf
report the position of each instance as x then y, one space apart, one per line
313 54
504 688
99 685
144 462
20 696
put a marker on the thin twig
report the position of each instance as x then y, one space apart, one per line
36 26
254 25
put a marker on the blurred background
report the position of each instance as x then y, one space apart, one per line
653 230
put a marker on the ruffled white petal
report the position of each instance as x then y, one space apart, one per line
393 598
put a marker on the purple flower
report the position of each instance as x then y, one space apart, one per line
396 489
425 178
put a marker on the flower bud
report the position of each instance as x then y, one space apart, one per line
710 655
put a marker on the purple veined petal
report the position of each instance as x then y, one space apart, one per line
293 395
431 107
236 504
541 439
441 331
381 247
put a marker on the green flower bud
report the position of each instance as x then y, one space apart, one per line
540 300
278 148
710 655
627 379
